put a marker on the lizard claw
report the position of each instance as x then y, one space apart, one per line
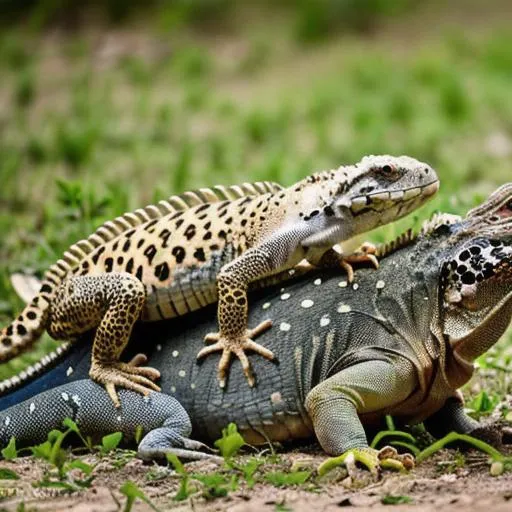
373 460
365 254
126 375
237 346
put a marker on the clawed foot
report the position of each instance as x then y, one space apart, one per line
126 375
236 346
365 254
373 460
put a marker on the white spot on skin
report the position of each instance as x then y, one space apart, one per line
159 347
32 407
146 398
325 321
65 396
266 305
291 271
344 308
7 421
307 303
76 399
317 282
342 284
285 296
182 373
193 385
276 398
380 284
173 389
69 371
284 327
355 286
175 353
119 419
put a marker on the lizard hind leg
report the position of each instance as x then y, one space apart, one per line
111 303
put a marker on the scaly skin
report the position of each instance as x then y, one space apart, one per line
397 345
186 259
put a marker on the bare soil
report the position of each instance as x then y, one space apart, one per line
435 484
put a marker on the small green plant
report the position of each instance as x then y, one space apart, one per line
230 442
282 479
390 499
8 474
133 493
10 452
483 404
110 442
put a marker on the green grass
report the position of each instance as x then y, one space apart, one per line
90 130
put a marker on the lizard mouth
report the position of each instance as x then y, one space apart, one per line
381 201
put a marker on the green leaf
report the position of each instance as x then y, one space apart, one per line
10 452
69 423
230 442
82 466
177 464
8 474
42 451
111 441
395 500
280 479
132 492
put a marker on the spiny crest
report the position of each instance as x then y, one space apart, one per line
114 228
407 238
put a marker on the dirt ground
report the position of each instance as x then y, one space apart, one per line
436 484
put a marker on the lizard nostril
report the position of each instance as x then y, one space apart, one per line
367 190
426 170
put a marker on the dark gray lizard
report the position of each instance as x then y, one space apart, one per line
399 340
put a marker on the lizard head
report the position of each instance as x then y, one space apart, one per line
476 278
385 188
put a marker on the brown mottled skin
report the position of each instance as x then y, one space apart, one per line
177 262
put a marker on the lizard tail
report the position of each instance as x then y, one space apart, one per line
30 324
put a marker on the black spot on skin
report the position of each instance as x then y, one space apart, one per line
207 225
31 315
207 236
139 273
464 255
164 235
129 266
199 254
222 212
149 225
6 342
461 269
179 222
128 234
328 211
9 330
495 243
202 207
202 216
120 260
21 330
162 271
115 246
245 201
150 252
126 245
243 222
97 254
179 253
468 278
46 288
140 243
109 263
85 264
241 211
222 234
475 250
190 232
229 220
214 247
252 214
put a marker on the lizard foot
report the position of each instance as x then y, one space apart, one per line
126 375
373 460
365 254
237 346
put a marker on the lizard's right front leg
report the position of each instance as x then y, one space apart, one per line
111 303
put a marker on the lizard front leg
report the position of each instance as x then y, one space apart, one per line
110 303
333 259
335 404
234 336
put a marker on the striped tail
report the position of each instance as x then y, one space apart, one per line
21 334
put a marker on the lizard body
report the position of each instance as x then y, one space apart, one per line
210 250
401 344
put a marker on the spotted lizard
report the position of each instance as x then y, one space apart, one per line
402 343
159 263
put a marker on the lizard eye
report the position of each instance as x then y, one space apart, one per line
509 205
387 169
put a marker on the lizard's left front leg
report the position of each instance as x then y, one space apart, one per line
234 336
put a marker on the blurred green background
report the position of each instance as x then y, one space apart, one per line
106 106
